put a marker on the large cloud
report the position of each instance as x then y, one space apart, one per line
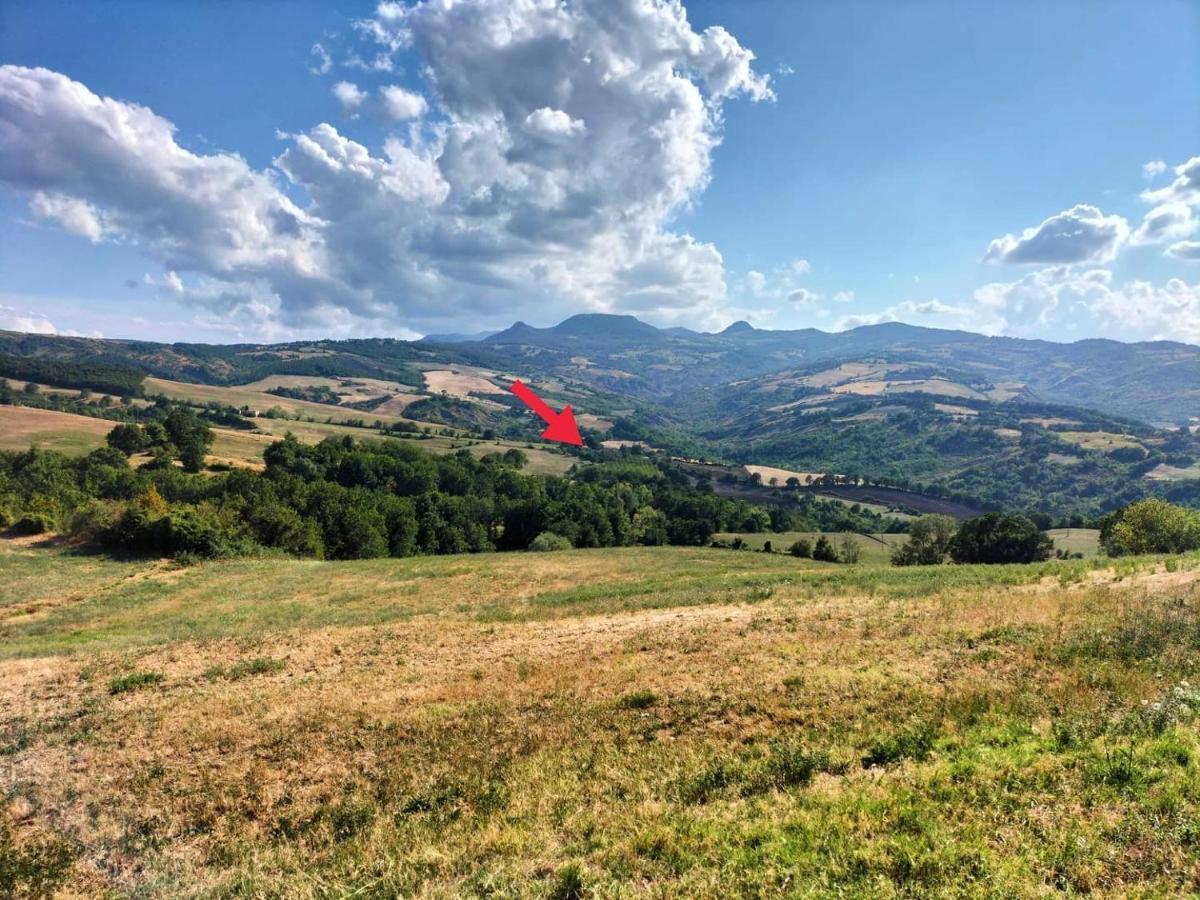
1081 234
516 194
102 167
1056 300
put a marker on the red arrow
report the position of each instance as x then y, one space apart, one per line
560 427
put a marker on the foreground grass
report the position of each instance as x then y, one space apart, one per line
614 723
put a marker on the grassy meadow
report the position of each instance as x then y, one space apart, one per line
660 722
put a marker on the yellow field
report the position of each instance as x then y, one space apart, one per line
461 383
1099 440
22 427
936 386
781 475
260 401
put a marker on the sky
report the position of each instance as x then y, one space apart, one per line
269 171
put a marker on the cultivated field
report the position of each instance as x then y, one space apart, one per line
656 722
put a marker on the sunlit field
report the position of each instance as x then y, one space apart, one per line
654 722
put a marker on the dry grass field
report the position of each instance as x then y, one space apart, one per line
261 401
657 722
21 427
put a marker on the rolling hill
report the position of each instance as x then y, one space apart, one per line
1064 429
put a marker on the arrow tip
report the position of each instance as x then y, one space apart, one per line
563 429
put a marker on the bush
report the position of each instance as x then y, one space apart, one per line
849 549
91 522
33 523
1000 538
547 541
801 549
1151 526
823 550
638 700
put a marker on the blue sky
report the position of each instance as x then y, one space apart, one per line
971 165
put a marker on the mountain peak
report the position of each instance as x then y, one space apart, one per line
739 327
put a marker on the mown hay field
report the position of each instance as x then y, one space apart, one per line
660 722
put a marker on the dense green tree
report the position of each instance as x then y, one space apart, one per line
1151 526
1000 538
129 439
928 542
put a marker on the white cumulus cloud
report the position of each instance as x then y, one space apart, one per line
350 95
400 104
1164 223
12 319
1185 188
1081 234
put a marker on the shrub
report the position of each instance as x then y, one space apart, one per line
92 521
849 550
823 550
1000 538
33 523
548 541
801 549
638 700
1151 526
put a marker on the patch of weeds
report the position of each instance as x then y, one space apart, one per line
525 669
1146 633
1180 704
793 764
135 681
348 817
714 776
13 740
1118 767
35 869
260 665
914 742
638 700
568 883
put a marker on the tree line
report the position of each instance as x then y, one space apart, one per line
349 499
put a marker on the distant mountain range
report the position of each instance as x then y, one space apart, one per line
1155 382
